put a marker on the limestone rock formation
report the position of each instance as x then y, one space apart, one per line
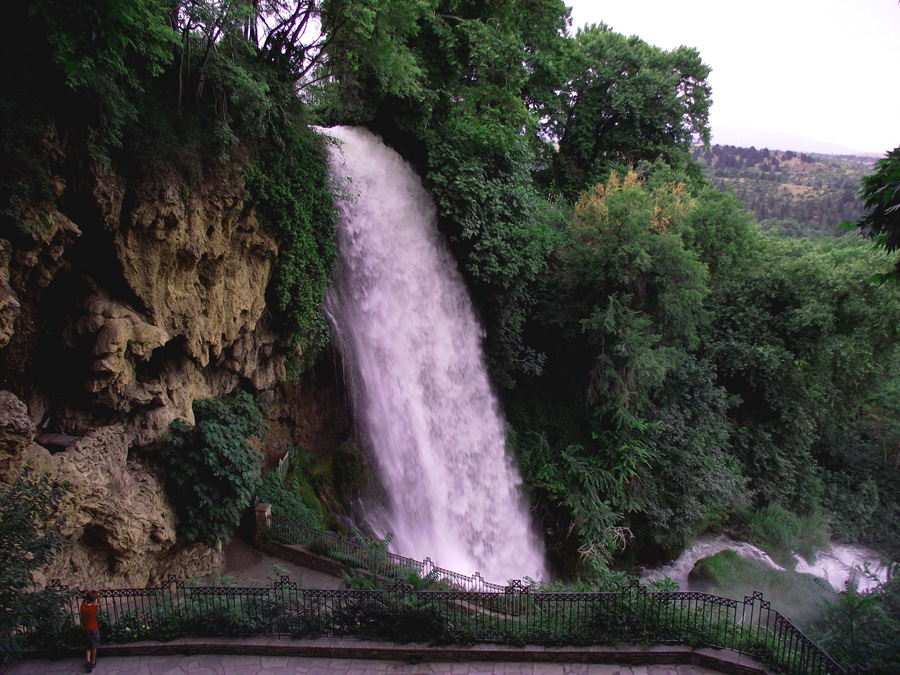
121 303
16 434
117 524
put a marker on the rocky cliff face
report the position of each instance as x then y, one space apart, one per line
121 303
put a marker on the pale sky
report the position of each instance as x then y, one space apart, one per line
828 70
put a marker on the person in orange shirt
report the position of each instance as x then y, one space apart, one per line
89 607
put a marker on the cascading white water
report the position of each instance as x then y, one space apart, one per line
412 351
842 564
837 565
703 547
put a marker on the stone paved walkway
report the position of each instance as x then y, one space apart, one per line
219 664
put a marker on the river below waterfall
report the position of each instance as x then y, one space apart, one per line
837 565
415 370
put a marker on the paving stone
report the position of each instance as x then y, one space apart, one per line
206 660
256 662
241 669
273 661
244 660
612 669
576 668
200 670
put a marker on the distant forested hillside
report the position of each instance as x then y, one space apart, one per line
792 194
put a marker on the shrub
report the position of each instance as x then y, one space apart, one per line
161 622
212 470
782 533
26 545
284 494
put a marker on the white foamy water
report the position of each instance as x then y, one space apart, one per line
837 565
415 369
703 547
844 563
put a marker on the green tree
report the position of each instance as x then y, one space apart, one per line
799 342
29 539
211 471
624 308
643 290
106 50
626 101
881 196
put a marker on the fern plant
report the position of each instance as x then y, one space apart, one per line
371 555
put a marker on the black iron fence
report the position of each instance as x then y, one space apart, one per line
329 543
515 615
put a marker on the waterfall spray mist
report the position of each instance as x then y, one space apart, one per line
413 359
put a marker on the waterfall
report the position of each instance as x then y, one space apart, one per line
411 345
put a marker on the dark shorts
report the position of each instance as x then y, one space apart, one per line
92 639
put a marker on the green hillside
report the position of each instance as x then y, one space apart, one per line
792 194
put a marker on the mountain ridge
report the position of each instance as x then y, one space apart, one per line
745 137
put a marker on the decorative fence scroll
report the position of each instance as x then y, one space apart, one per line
515 615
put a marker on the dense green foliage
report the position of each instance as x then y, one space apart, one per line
212 472
881 195
667 367
692 367
288 491
792 194
27 543
176 92
863 628
294 199
627 101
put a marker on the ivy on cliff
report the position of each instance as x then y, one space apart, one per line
290 186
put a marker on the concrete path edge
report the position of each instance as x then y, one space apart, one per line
723 661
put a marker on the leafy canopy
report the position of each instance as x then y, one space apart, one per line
625 101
